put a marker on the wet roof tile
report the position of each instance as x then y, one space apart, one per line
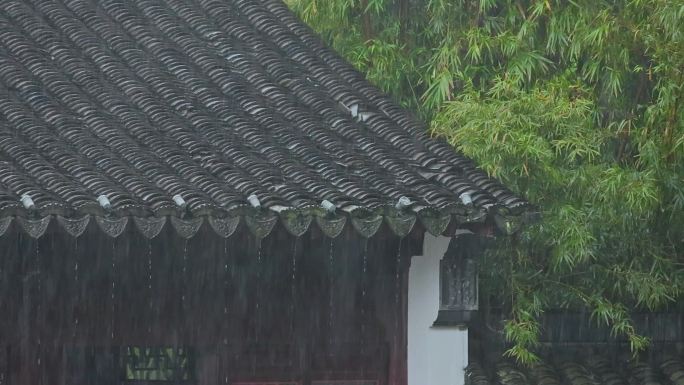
214 101
588 365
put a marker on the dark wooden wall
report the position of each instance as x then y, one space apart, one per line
284 308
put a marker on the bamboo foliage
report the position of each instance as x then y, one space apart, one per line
575 104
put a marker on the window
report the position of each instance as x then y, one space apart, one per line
157 364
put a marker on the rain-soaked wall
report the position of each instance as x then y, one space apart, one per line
208 310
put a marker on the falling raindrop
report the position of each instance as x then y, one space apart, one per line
293 287
3 258
293 294
226 274
363 296
113 288
226 283
257 321
184 270
77 289
331 274
39 310
397 290
149 284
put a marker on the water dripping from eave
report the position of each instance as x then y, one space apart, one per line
397 292
331 294
227 265
113 292
40 319
259 291
184 271
77 294
364 287
293 293
150 288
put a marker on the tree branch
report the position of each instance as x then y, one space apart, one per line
366 23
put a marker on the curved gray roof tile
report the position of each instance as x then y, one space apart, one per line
214 101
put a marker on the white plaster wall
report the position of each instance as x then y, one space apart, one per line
436 355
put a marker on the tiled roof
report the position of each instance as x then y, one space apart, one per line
158 108
585 367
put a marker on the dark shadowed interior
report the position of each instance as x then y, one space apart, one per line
207 310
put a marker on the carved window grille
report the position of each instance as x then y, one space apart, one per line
458 282
171 364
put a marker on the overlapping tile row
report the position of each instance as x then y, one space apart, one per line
591 369
122 108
